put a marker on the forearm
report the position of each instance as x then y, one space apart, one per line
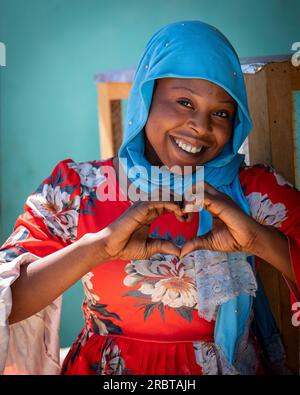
271 245
43 280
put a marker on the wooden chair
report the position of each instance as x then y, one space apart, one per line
110 95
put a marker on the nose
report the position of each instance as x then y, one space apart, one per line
199 122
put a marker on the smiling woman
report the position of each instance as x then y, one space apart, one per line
189 123
164 294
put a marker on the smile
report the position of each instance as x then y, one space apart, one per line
187 147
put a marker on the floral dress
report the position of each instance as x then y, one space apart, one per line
141 315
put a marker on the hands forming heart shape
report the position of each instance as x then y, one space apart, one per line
128 237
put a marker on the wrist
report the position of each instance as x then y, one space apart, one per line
272 246
93 245
266 237
262 234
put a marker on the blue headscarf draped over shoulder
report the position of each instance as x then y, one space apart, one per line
193 49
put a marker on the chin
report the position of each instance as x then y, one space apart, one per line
179 168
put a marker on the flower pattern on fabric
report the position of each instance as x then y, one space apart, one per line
95 312
54 204
88 288
206 357
166 281
179 240
9 254
19 234
172 283
111 362
212 360
266 212
281 180
91 177
268 169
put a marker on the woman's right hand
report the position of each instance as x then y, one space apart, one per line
127 237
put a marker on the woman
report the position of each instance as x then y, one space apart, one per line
182 300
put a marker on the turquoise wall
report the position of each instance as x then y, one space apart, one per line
48 98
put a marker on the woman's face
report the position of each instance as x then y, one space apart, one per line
189 123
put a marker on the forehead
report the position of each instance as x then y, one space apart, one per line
197 86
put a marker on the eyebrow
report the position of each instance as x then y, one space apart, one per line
197 94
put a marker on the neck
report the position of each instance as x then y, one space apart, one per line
151 154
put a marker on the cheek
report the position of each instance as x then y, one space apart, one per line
223 135
151 130
159 122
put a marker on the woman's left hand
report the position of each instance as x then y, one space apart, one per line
233 229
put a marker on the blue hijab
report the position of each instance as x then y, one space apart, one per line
194 49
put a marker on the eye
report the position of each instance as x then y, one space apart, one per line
185 103
222 114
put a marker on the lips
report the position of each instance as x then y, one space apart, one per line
187 147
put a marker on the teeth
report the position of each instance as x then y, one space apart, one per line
187 147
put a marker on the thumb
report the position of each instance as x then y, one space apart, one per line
155 246
196 243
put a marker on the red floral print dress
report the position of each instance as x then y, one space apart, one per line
140 316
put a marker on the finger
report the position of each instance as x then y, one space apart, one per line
179 214
144 213
188 216
155 246
192 206
184 216
161 206
214 192
217 223
196 243
226 211
193 198
210 189
157 208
